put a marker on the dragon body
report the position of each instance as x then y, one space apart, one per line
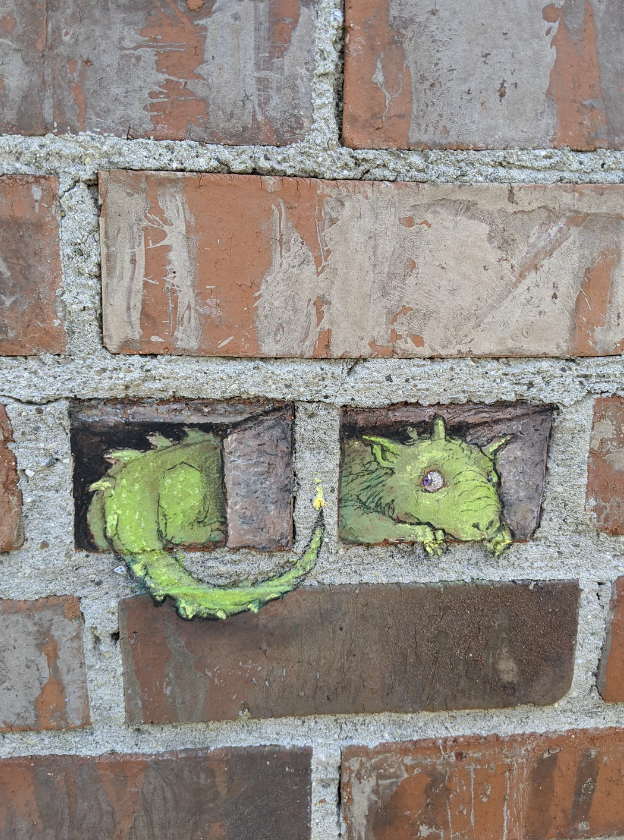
149 503
433 488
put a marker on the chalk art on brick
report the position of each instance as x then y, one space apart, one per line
447 473
169 492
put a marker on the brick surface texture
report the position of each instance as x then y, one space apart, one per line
175 69
42 665
605 475
246 266
611 670
225 794
31 316
526 787
351 649
11 530
434 75
521 463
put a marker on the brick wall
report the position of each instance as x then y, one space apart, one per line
429 225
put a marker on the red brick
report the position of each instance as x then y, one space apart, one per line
31 317
174 69
42 665
353 649
289 267
11 531
605 467
522 787
611 670
520 75
223 794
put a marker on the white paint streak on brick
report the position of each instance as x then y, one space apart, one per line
470 81
288 328
180 283
123 273
441 270
251 86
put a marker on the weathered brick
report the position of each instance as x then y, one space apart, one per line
611 670
349 649
30 267
246 266
605 467
174 69
528 75
257 458
223 794
550 786
521 463
11 531
22 74
42 665
257 466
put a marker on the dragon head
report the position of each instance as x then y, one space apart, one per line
443 481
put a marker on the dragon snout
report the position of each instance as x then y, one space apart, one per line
478 519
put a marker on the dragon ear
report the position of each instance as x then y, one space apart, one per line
385 451
122 456
412 432
492 448
439 429
195 435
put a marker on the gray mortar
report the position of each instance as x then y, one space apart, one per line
37 390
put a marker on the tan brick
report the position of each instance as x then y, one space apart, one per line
245 266
232 72
11 530
611 670
31 317
353 649
523 787
605 475
42 665
420 74
223 794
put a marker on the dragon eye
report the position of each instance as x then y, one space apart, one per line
433 482
493 478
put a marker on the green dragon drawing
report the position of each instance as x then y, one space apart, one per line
172 495
423 491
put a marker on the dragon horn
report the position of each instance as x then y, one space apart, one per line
492 448
439 429
412 432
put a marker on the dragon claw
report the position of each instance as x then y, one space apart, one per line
501 540
433 543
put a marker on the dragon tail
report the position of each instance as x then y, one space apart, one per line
164 576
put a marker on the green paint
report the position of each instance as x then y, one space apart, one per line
427 490
171 496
